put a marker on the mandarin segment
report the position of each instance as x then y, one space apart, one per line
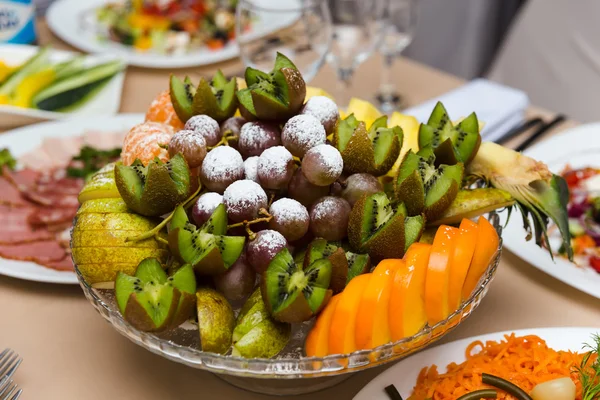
161 110
144 142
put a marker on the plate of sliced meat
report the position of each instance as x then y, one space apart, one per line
42 169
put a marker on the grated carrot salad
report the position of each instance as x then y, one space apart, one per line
525 361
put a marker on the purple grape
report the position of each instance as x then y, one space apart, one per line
290 218
275 168
329 218
244 199
324 109
301 133
263 248
205 126
322 165
238 282
358 185
191 145
302 190
222 166
256 137
233 125
205 206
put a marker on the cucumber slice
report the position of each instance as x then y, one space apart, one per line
69 67
73 91
31 66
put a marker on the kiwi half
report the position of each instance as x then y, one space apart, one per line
155 189
185 281
371 151
451 144
208 253
257 334
274 96
216 98
425 188
150 301
293 294
182 96
345 264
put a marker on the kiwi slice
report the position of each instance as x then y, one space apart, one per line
373 151
274 96
215 321
216 223
294 294
425 188
256 334
413 229
451 144
345 264
147 300
182 96
376 227
155 189
216 98
185 281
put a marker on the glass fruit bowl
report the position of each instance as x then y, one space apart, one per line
290 372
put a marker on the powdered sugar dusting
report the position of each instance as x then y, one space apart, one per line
191 144
244 195
251 168
221 163
255 137
324 109
274 160
301 133
270 241
208 202
327 207
206 126
287 210
329 157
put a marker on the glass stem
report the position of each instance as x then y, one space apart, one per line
387 86
344 83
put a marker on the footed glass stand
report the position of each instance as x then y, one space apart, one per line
290 372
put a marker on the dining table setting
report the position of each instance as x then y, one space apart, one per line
259 198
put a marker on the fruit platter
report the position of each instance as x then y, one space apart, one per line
253 229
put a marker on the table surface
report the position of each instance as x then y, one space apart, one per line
71 353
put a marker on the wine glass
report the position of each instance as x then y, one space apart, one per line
401 19
299 29
358 27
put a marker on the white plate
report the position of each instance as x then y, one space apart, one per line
22 140
106 101
404 374
578 147
74 22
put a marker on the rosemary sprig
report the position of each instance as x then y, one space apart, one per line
589 375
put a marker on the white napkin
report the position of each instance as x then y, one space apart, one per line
499 107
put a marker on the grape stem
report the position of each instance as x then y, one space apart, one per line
156 230
266 217
227 137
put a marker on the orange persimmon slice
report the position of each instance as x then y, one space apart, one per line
485 249
372 318
437 281
317 341
343 321
466 240
407 301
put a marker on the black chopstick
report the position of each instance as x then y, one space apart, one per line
540 131
517 130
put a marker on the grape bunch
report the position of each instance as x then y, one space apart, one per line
283 182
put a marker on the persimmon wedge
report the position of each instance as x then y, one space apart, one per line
317 341
466 239
372 318
407 300
485 249
343 322
437 280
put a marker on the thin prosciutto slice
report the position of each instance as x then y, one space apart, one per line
16 229
46 251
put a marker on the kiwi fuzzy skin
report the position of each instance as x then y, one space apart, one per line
137 316
185 309
205 102
390 159
438 208
298 311
358 155
412 192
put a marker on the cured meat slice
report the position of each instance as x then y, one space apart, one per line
62 149
23 179
66 264
10 195
37 159
51 216
40 252
15 228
